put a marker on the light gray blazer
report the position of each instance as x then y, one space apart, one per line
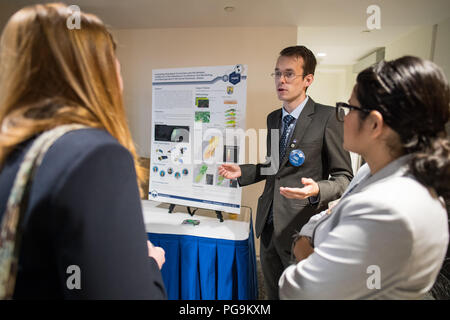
385 239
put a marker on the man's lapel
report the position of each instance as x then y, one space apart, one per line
276 120
301 126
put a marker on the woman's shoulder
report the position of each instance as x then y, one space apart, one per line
403 191
86 149
84 140
399 200
77 144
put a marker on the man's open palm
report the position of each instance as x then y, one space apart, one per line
230 171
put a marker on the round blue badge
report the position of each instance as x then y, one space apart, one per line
296 157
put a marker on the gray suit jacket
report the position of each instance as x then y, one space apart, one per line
319 135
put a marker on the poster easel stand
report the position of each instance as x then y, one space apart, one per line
191 213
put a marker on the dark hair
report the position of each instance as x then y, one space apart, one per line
309 60
413 97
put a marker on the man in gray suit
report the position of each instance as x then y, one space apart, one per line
309 161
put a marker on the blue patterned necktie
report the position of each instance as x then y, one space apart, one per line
287 120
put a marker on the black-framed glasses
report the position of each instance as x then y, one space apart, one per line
288 75
343 109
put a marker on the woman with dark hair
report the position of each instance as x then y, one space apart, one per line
387 236
70 211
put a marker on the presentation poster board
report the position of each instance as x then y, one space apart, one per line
198 120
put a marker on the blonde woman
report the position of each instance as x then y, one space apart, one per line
83 217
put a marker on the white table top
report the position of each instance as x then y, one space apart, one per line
157 219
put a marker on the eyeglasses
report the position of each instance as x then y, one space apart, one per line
288 75
343 109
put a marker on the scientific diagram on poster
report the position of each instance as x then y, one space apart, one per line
197 117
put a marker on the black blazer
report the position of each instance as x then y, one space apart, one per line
84 210
320 136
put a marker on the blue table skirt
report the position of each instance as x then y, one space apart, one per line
199 268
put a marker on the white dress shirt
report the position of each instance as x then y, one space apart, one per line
385 239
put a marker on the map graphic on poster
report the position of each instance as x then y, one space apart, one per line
193 112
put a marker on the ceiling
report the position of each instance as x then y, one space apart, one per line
329 26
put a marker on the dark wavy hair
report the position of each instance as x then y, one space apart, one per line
413 97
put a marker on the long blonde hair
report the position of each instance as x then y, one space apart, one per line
52 75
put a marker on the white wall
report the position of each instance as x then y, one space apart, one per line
442 52
332 83
417 43
420 43
442 48
329 85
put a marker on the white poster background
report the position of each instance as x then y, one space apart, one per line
192 109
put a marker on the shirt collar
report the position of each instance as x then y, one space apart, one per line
397 167
297 110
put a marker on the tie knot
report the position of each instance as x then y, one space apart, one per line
288 119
